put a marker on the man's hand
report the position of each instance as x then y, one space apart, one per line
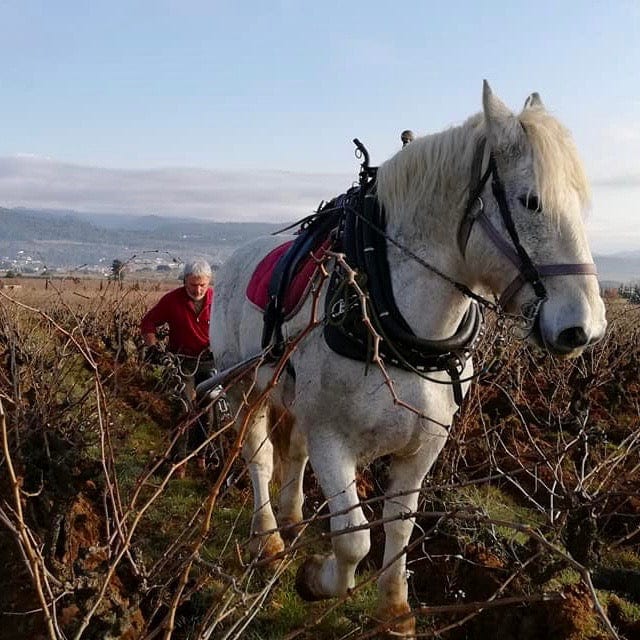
153 354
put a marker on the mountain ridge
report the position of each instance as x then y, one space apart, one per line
66 239
63 237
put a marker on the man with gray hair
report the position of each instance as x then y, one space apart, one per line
186 311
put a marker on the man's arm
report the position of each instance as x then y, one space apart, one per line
156 316
151 353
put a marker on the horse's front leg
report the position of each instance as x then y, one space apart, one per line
333 575
406 476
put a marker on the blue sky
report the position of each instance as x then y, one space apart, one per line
100 100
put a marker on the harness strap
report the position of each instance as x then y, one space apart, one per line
581 268
498 239
370 246
479 180
578 269
454 373
527 267
312 236
365 240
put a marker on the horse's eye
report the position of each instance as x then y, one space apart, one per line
531 202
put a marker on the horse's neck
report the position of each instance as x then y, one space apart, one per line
432 307
427 222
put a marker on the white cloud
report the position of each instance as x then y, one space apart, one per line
273 196
267 196
613 153
623 132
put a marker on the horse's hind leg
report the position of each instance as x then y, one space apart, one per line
333 575
257 452
291 493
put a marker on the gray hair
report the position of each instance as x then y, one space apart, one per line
197 267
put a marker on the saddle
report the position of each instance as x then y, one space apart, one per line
282 280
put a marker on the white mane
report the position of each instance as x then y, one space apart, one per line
435 169
557 166
430 170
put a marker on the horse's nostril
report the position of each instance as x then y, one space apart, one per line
573 337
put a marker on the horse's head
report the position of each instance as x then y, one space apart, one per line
527 239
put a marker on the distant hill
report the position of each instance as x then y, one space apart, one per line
16 224
28 224
67 238
619 267
63 238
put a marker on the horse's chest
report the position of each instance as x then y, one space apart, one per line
364 417
345 405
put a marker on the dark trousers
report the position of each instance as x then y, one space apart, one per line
194 371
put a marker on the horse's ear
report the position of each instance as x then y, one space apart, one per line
534 101
503 128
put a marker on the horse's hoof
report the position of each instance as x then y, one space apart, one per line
306 576
397 622
289 529
265 547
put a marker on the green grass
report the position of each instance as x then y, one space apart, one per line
498 505
622 559
628 611
286 612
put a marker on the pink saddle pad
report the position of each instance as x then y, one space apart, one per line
258 287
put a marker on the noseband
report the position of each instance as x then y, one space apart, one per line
528 272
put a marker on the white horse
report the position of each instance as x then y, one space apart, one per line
495 205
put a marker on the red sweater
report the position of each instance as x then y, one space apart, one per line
188 332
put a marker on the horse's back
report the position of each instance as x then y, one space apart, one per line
236 323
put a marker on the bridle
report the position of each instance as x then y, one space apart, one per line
528 272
